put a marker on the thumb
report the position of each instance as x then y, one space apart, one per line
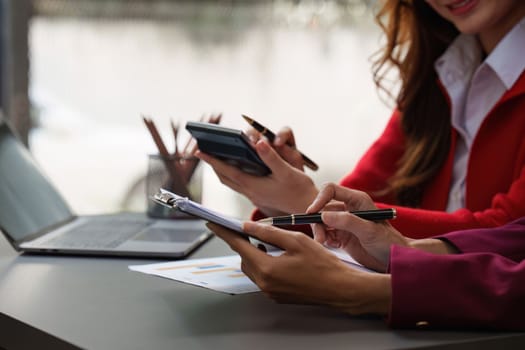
345 221
270 157
273 235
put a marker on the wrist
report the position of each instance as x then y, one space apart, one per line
433 245
309 195
379 293
366 293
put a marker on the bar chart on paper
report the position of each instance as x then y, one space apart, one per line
222 274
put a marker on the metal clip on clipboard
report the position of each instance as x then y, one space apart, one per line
186 205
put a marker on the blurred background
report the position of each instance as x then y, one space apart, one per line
78 74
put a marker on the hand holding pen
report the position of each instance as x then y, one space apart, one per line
368 241
271 137
316 218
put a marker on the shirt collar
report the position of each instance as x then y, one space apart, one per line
460 59
507 57
506 60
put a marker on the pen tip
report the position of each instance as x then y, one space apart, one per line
248 119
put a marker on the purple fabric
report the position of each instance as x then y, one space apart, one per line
484 287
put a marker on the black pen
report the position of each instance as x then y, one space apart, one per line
315 218
271 136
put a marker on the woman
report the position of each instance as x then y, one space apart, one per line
452 155
464 279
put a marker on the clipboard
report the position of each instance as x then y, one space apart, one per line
186 205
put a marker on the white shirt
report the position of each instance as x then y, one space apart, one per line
474 87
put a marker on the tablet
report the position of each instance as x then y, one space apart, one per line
229 145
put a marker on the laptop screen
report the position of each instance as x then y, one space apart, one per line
28 201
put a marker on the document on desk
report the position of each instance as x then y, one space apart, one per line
222 274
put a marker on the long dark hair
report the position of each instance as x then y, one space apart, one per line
416 36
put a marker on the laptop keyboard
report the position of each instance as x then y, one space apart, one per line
99 234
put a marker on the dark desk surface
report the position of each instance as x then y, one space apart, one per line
97 303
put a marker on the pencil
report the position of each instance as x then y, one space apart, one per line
271 137
188 153
170 162
175 130
163 151
315 218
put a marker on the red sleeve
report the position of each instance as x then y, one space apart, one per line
468 290
380 162
420 223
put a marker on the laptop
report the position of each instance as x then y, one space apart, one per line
35 218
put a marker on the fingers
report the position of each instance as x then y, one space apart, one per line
236 242
346 221
329 235
319 232
229 175
354 200
333 205
268 155
253 135
285 144
271 158
252 258
325 195
214 162
215 119
291 155
284 239
283 137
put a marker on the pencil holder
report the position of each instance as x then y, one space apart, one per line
179 175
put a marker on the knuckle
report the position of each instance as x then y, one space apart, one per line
236 177
265 273
266 277
296 157
327 186
244 267
301 238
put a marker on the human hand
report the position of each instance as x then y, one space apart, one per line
306 272
366 241
284 144
285 190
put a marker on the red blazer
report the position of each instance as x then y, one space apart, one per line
495 184
481 288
